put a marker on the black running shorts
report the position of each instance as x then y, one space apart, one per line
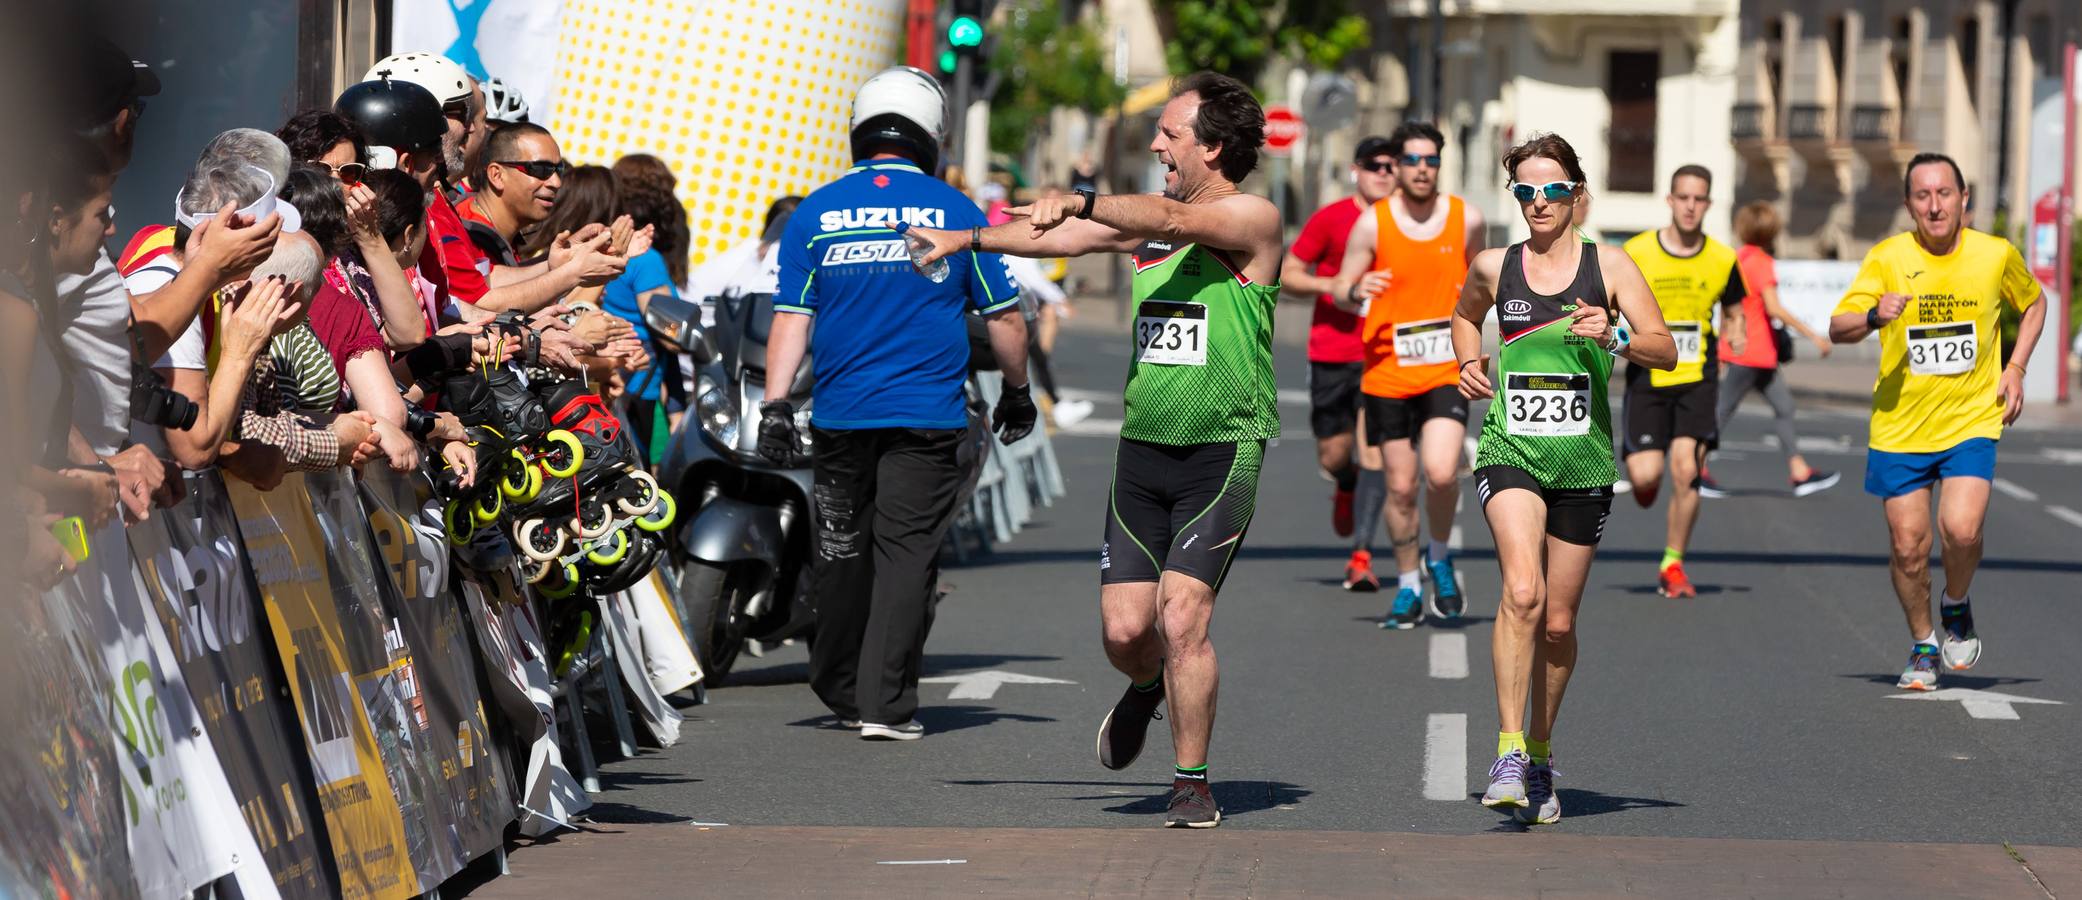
1575 515
1333 397
1655 416
1400 418
1178 509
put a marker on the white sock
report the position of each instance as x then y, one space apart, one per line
1930 639
1410 581
1951 602
1439 550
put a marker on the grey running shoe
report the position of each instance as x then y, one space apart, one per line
1543 805
1960 647
1127 725
875 731
1507 781
1192 806
1921 674
1816 482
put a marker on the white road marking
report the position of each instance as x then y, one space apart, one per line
1446 757
984 685
921 862
1449 656
2010 487
2060 455
2066 515
1977 703
1453 540
1093 428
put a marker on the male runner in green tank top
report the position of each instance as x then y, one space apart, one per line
1200 406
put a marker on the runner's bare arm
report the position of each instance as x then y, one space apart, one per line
1651 344
1297 281
1075 237
1358 265
2011 384
1477 295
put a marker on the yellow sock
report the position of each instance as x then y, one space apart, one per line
1507 741
1538 750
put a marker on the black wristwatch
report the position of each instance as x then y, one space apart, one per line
1091 199
976 240
1872 319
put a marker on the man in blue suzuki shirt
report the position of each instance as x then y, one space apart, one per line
889 356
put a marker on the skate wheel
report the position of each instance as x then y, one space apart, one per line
536 574
539 540
565 589
486 510
609 551
460 526
594 522
646 494
564 454
521 483
660 517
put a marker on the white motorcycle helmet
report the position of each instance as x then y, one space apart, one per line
503 102
443 77
903 106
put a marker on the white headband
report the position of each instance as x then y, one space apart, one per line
258 209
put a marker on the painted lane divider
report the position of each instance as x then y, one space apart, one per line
2011 488
1446 757
1449 656
922 862
2066 515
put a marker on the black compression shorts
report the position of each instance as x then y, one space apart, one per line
1400 418
1178 509
1575 515
1655 416
1333 397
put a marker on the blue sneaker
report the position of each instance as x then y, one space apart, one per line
1407 611
1446 602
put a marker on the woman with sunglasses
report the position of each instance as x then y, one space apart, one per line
1544 467
325 138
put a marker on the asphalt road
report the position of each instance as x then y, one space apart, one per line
1765 708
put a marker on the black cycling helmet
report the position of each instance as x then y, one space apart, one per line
397 116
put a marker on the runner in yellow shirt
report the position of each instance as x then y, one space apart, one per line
1672 414
1942 398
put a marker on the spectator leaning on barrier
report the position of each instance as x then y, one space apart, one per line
890 354
517 189
278 404
587 204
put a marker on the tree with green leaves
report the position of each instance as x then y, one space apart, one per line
1046 63
1239 37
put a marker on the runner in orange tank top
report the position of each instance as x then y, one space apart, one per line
1403 269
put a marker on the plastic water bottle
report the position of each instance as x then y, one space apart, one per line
919 247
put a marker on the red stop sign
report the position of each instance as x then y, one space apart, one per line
1283 129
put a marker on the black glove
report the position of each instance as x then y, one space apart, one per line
778 442
438 356
1014 417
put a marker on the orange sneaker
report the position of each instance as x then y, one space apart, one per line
1359 573
1672 583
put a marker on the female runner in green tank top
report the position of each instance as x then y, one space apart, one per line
1543 467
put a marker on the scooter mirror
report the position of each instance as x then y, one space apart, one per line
697 343
665 315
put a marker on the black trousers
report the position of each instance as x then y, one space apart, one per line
884 499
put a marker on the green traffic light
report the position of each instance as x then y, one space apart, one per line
965 31
947 62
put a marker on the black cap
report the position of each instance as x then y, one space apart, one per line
109 80
1372 146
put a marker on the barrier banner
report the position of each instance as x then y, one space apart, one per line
667 659
550 796
291 567
618 616
193 569
448 715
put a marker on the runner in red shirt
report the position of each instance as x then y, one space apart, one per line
1336 356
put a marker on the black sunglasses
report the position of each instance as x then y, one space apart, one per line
538 169
1375 165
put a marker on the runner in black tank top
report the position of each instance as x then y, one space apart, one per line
1544 465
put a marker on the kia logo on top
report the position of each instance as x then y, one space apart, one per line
1517 307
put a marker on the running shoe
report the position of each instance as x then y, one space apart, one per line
1542 805
1816 482
1359 573
1507 781
906 731
1127 725
1446 601
1070 412
1192 806
1341 513
1710 488
1961 648
1921 674
1672 582
1407 611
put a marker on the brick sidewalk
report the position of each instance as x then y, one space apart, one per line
678 860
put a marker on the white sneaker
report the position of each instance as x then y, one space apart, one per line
1071 412
875 731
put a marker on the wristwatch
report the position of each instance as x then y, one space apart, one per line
1621 338
1091 199
976 240
1872 319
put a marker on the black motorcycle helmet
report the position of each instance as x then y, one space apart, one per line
397 115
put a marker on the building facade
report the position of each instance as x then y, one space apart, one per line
1833 97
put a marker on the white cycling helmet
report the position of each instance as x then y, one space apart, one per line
443 77
503 103
903 106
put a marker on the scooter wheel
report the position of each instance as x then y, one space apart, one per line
539 540
486 510
456 519
646 494
593 522
609 551
521 483
564 454
660 517
565 589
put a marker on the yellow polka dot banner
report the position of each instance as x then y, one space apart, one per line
747 100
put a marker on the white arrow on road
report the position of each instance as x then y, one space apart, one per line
1978 704
984 685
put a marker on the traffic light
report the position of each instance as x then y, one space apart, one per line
965 29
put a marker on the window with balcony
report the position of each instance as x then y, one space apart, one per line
1630 86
